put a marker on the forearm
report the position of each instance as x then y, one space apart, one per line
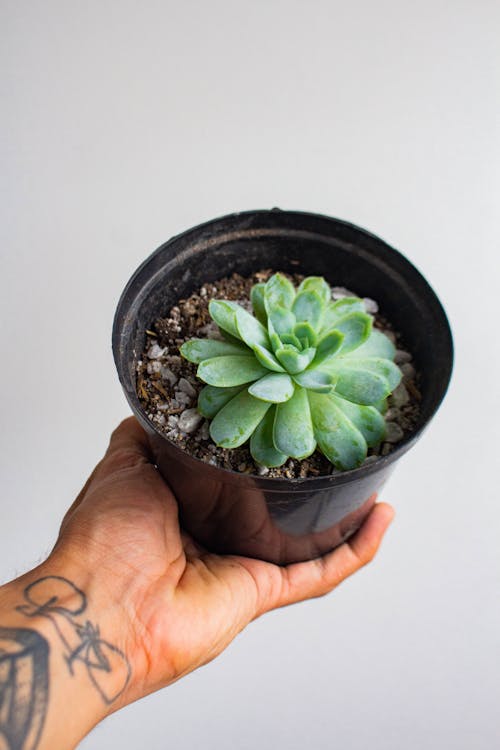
63 657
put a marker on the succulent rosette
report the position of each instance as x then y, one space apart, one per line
303 373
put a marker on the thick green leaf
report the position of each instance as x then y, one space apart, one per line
293 430
340 309
236 421
196 350
367 419
328 347
273 336
267 359
257 299
294 361
356 328
305 331
290 338
315 380
383 367
376 345
223 312
261 443
275 388
250 330
278 292
310 308
381 406
231 370
360 386
282 320
212 399
338 438
319 285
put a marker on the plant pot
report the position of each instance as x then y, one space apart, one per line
280 520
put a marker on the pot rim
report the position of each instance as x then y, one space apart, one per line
277 484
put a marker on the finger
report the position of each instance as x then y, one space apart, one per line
317 577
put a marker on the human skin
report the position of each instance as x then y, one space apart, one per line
128 603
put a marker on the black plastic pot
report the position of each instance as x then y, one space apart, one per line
280 520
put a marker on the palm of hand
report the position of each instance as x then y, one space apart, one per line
184 605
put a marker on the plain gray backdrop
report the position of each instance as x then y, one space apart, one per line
126 122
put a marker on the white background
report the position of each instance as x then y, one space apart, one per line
126 122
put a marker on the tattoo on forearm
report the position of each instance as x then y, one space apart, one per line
60 601
24 687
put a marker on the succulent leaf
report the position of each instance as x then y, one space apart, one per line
305 331
212 399
338 438
222 312
283 320
315 380
308 307
356 327
273 336
262 445
376 345
231 370
294 361
267 359
378 365
258 303
367 419
319 285
291 338
275 387
196 350
339 309
278 292
250 330
236 421
293 430
328 347
360 386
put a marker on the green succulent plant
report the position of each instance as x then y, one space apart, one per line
303 372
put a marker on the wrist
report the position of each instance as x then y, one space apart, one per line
66 640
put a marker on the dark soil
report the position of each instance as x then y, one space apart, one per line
168 388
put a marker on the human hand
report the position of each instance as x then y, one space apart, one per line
132 603
181 604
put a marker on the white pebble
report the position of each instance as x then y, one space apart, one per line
160 418
408 370
400 396
393 433
203 432
173 420
186 387
211 331
370 305
339 292
401 357
189 420
182 398
168 375
370 460
392 414
263 470
173 359
153 367
155 351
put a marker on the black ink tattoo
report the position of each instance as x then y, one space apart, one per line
24 687
61 602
